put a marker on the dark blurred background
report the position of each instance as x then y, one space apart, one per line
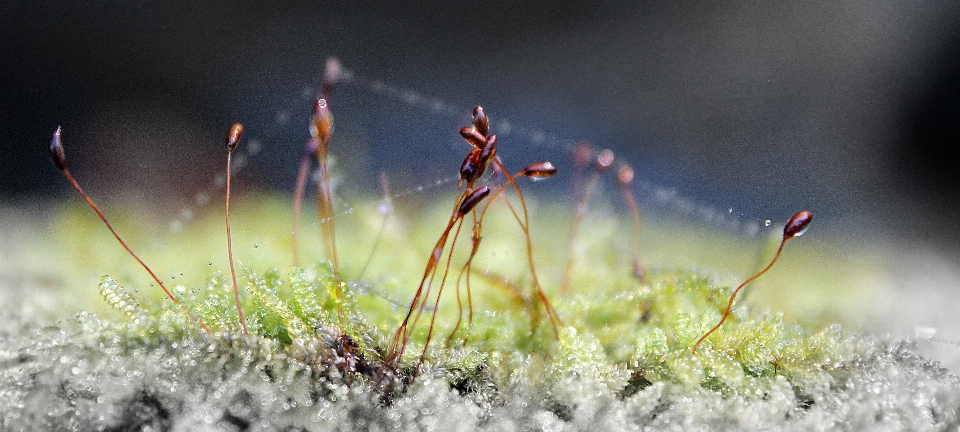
850 109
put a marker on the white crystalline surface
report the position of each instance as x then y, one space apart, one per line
81 375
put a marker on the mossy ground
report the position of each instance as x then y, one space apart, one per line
621 361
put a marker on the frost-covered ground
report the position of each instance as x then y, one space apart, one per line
62 378
923 303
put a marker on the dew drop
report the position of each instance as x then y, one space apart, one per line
255 246
767 222
210 263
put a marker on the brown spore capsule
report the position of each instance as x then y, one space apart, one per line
480 120
539 170
56 151
582 153
491 142
797 225
604 160
473 137
470 169
625 175
233 136
488 151
332 72
321 126
472 199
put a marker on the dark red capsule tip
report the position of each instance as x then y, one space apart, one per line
605 159
491 142
473 137
582 153
539 170
473 199
470 169
332 72
233 137
56 151
625 175
797 225
321 124
480 120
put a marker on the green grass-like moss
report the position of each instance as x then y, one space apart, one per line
622 334
622 360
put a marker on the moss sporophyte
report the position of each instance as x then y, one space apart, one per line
564 349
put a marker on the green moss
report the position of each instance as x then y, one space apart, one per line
624 344
615 321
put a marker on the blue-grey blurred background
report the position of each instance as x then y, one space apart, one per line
850 109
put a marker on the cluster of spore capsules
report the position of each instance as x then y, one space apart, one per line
483 179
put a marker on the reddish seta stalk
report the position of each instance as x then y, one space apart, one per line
59 159
583 154
233 138
469 196
625 181
321 129
795 227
